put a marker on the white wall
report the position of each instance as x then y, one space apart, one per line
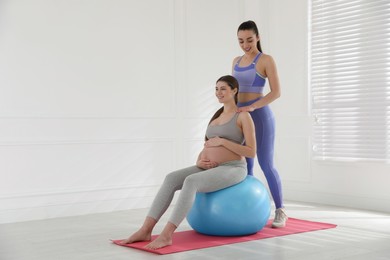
100 99
358 185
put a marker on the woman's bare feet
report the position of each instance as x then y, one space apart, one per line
143 234
140 235
164 239
159 242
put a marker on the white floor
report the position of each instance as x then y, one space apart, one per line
359 235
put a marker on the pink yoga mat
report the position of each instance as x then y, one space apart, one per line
190 240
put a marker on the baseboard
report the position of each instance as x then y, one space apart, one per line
348 201
37 206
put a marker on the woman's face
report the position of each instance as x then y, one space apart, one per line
247 40
224 92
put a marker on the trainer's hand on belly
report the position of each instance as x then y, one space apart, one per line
206 164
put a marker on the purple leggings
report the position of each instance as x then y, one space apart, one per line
264 121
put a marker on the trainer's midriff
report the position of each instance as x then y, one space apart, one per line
246 97
219 154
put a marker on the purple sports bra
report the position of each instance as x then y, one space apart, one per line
248 78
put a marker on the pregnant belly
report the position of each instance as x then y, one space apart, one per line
220 154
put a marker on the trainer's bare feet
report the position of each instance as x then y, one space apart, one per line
140 235
159 242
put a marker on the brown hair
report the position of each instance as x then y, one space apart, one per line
250 25
233 84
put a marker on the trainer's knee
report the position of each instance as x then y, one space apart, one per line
267 167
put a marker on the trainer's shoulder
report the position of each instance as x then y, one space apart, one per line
236 59
266 58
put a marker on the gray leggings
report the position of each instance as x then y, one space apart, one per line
191 180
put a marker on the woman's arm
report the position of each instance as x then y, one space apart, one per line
248 129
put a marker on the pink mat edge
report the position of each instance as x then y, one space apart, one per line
177 249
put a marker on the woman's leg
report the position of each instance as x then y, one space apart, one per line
214 179
265 136
143 234
221 177
172 182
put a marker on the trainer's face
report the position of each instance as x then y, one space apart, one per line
247 40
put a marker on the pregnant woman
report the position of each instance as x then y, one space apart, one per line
220 164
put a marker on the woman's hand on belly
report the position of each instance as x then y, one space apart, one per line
206 164
213 142
219 154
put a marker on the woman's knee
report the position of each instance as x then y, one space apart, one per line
190 182
171 179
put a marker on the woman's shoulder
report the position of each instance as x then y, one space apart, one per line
235 60
243 116
266 62
267 58
244 120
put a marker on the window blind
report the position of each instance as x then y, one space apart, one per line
350 79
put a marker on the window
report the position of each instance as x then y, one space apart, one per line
350 79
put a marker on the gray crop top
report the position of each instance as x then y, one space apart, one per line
228 131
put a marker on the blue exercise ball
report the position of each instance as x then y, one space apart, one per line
241 209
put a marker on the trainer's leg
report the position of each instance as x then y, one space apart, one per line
265 137
250 163
266 161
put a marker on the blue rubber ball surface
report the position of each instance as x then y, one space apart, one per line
241 209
